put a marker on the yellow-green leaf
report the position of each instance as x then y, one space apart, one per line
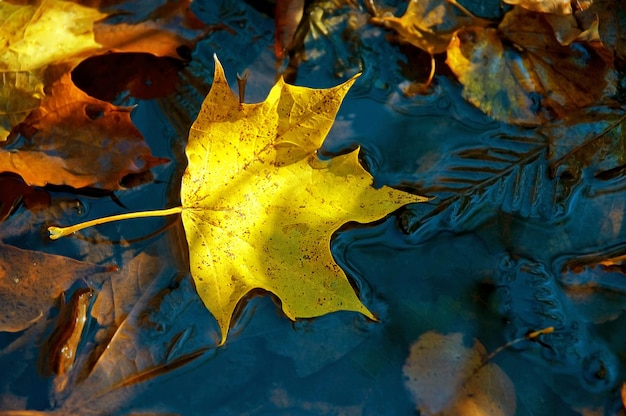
33 37
47 32
259 207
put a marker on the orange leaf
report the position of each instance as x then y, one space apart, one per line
74 139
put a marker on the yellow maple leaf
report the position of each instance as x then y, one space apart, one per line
259 208
33 37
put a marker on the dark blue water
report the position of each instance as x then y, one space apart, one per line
501 251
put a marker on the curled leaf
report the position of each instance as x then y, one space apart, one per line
567 30
532 77
288 16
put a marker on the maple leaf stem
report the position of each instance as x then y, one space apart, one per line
58 232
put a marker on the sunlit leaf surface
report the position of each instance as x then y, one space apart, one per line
33 37
258 203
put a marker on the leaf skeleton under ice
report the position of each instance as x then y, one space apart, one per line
536 174
510 173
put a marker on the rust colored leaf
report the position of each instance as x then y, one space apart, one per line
30 281
142 75
170 30
287 18
532 77
74 139
14 192
58 352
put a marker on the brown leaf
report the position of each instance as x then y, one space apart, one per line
30 281
610 25
143 75
74 139
166 30
568 29
150 322
58 352
428 25
447 378
532 77
590 139
14 192
286 20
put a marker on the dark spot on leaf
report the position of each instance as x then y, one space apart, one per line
94 111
